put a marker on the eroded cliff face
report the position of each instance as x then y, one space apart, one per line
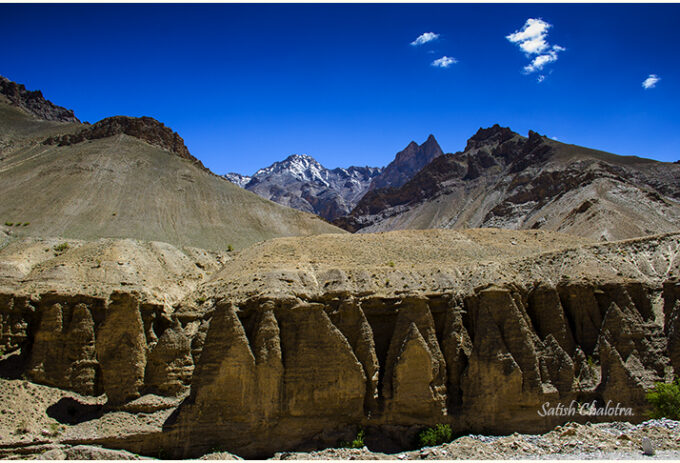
117 346
486 362
487 339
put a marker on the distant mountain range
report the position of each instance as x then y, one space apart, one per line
300 182
505 180
126 177
501 180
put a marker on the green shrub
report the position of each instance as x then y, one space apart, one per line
26 224
390 263
230 248
440 434
357 443
9 224
61 247
591 362
665 400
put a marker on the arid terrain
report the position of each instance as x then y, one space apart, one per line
126 178
151 308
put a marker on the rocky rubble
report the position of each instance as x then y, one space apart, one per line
573 441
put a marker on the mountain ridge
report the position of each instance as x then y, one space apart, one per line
301 182
126 177
34 102
505 180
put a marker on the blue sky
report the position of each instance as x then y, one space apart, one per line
249 84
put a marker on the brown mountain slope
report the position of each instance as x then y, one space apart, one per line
126 178
505 180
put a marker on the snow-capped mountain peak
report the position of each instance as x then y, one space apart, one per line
238 179
300 167
300 181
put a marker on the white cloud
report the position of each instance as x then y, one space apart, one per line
533 28
444 62
532 40
540 78
424 38
540 61
651 81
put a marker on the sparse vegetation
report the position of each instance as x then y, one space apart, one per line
201 300
26 224
437 435
9 224
590 361
390 263
357 443
230 248
60 247
665 400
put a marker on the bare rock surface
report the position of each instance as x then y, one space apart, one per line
87 452
144 128
34 103
295 343
472 303
407 163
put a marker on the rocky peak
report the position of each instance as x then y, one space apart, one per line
144 128
301 182
34 102
491 135
407 163
297 166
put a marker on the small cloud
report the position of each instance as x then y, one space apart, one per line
534 31
532 40
444 62
540 61
424 38
651 81
540 78
555 138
